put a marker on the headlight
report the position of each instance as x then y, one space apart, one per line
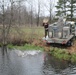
50 34
59 34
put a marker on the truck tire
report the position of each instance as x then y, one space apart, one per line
70 43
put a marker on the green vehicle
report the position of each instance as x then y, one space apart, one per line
61 32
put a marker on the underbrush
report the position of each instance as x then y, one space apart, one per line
63 54
25 35
27 38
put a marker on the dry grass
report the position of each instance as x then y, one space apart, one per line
72 49
31 35
27 34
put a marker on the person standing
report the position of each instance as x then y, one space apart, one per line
45 24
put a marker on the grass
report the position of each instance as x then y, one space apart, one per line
26 34
63 54
23 35
73 57
25 47
60 54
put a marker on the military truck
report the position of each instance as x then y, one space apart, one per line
61 32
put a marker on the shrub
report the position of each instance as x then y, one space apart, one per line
60 53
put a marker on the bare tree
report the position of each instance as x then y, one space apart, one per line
49 7
16 18
3 18
38 14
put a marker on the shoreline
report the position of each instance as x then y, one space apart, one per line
67 54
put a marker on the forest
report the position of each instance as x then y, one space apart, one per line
21 20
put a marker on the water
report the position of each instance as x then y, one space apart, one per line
15 62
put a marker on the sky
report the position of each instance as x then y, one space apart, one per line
54 2
44 4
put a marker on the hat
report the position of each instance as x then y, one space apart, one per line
45 20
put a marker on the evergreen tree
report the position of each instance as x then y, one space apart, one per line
71 8
70 5
61 7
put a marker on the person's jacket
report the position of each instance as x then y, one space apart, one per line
45 25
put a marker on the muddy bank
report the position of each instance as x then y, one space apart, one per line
35 42
41 43
59 51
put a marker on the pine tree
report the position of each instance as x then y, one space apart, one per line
71 8
67 8
61 7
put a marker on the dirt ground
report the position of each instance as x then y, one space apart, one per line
47 47
41 44
72 49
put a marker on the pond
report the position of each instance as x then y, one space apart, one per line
15 62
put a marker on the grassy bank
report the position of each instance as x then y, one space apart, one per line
25 47
22 35
30 38
27 38
63 54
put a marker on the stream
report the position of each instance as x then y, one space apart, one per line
16 62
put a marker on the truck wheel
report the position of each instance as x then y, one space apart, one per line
70 43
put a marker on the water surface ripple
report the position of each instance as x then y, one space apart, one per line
15 62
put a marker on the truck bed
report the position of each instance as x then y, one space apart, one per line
57 40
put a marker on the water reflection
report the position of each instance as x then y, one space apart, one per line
4 62
53 66
12 64
33 63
